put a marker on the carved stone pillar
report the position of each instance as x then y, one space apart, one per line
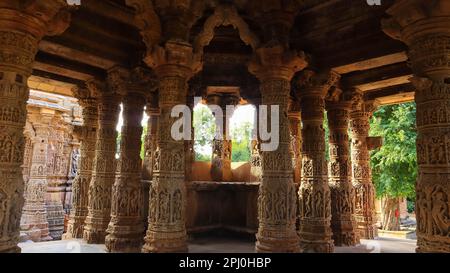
34 214
222 144
189 144
57 164
255 154
294 116
73 169
80 186
343 224
314 193
152 111
104 166
364 190
425 27
166 231
150 144
126 228
18 45
277 210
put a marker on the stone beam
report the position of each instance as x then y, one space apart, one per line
60 66
111 10
371 63
51 86
70 53
375 74
392 95
384 83
90 45
55 77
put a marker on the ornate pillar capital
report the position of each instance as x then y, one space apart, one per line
311 83
425 27
86 95
175 59
276 62
37 17
275 17
338 99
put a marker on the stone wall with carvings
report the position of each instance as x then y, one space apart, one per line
49 159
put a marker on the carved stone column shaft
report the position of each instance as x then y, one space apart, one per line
34 214
425 27
314 193
364 190
339 170
19 40
296 139
104 168
174 64
166 223
277 199
126 228
80 186
255 154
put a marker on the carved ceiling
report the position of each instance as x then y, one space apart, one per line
341 35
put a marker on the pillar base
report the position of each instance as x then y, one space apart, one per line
317 246
161 242
433 245
95 229
36 232
94 235
267 244
10 248
368 232
345 239
316 239
128 244
124 238
75 228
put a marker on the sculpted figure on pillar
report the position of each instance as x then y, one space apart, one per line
343 225
88 99
126 227
425 27
18 46
73 168
104 165
365 212
314 193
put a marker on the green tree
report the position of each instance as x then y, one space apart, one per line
241 136
204 129
394 165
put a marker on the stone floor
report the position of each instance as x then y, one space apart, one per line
222 245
